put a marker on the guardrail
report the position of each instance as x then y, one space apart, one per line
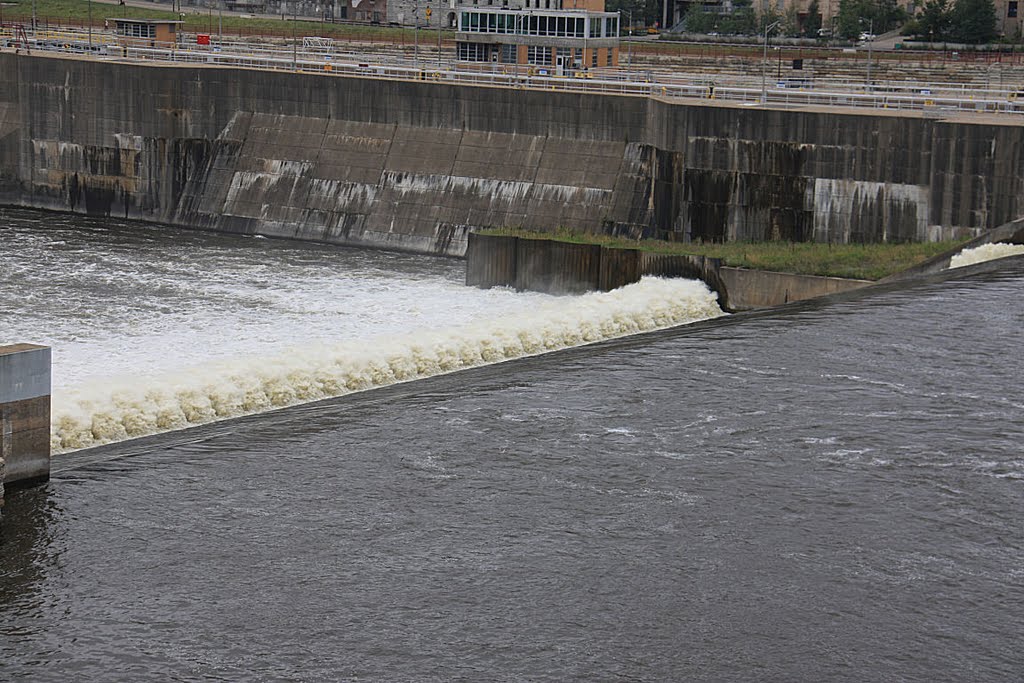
929 98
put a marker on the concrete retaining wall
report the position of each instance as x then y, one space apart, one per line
24 413
563 268
416 165
751 289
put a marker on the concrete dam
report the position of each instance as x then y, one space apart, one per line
418 165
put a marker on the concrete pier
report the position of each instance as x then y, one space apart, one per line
24 414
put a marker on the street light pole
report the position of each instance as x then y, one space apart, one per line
764 63
90 26
871 41
629 45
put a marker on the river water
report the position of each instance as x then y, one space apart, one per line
829 491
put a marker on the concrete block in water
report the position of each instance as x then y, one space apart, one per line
25 413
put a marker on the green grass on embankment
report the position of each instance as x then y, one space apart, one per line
860 261
53 13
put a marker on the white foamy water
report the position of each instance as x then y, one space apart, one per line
986 252
156 329
114 409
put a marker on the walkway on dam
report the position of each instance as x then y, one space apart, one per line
938 100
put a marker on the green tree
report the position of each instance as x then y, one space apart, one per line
741 21
857 16
644 12
790 25
934 21
699 21
813 21
973 21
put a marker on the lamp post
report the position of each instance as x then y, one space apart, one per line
764 63
90 26
629 45
871 40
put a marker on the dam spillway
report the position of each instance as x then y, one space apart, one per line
155 329
417 165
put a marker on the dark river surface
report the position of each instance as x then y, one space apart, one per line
826 492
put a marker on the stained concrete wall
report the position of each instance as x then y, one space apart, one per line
24 413
753 289
416 165
554 267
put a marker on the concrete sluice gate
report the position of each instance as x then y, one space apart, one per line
106 412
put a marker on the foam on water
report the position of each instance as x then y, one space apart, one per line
112 409
986 252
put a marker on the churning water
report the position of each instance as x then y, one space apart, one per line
986 252
156 329
832 491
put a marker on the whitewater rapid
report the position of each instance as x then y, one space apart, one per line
111 409
986 252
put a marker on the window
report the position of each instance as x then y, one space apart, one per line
593 57
609 54
566 54
137 30
472 52
1011 8
611 26
508 54
538 54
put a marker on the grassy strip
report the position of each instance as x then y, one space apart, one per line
860 261
198 20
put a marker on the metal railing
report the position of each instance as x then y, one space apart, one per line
936 99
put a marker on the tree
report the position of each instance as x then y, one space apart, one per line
857 16
790 25
699 21
973 21
933 22
644 12
812 24
741 21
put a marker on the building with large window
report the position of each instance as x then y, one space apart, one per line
561 40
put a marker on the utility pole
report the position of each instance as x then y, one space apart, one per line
629 45
90 27
416 35
440 15
764 63
871 41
